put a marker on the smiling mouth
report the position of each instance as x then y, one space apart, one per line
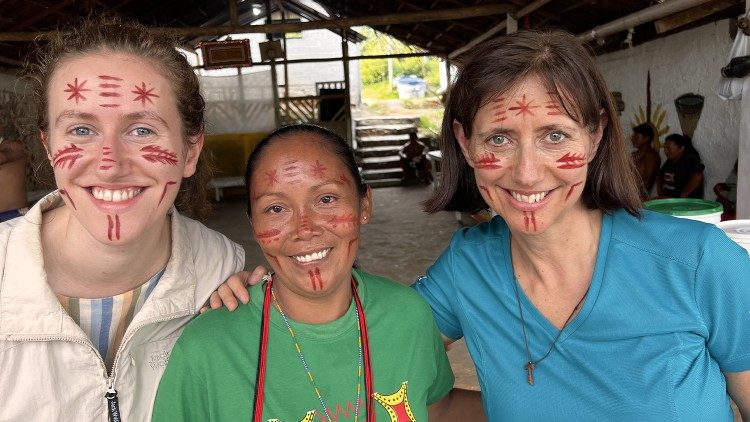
315 256
115 195
529 199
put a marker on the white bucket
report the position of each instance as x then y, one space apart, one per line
737 230
692 209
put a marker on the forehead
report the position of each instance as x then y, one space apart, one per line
302 147
92 78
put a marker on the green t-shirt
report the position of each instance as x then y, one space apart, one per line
212 369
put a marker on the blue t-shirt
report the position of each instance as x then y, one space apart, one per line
667 312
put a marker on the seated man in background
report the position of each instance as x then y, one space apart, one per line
645 157
414 160
12 179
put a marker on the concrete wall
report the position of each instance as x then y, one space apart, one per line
689 61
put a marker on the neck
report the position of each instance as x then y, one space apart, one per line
313 309
102 270
565 253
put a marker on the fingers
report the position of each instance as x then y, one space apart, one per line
237 287
226 297
256 275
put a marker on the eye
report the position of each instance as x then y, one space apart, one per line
81 131
498 140
274 209
142 131
557 136
327 199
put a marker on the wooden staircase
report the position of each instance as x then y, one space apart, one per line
378 140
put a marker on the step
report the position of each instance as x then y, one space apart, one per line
384 183
386 120
376 174
382 151
384 130
381 140
391 161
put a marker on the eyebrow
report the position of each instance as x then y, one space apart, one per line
318 186
71 114
541 129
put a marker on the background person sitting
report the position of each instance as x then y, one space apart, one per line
681 176
414 162
645 157
12 179
726 194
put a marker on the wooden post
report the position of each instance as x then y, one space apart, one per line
233 20
743 165
511 23
274 79
347 92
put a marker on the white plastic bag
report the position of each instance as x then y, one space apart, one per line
731 88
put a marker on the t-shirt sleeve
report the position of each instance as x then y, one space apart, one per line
181 395
436 287
722 293
444 377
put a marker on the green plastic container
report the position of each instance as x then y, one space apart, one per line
694 209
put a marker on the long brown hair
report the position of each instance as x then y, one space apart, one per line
559 60
109 34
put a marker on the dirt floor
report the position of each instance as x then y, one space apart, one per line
400 242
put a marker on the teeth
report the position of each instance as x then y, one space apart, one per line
315 256
114 195
529 199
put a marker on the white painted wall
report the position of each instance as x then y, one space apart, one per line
689 61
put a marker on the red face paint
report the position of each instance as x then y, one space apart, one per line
157 154
291 171
319 170
304 224
553 109
351 243
528 217
109 78
113 227
275 259
271 178
523 107
165 191
315 278
75 90
268 236
109 94
499 110
143 94
344 179
346 220
486 191
570 191
73 204
105 167
67 155
571 161
488 162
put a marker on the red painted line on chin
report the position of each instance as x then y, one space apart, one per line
110 225
117 226
570 191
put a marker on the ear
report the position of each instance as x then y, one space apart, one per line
44 137
463 141
195 146
366 207
596 136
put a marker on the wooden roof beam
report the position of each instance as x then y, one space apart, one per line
41 14
345 23
691 15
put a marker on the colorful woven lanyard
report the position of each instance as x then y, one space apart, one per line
263 349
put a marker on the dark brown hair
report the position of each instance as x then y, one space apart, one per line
108 34
559 60
337 145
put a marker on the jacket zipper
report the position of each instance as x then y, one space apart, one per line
113 403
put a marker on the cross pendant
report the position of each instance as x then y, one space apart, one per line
529 367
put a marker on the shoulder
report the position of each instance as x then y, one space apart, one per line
209 331
207 245
479 234
388 293
670 238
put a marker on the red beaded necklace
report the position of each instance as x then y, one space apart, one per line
261 376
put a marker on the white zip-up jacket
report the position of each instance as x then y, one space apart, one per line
50 371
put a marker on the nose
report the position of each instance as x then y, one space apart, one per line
307 225
528 166
111 157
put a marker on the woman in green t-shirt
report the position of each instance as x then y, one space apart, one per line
319 340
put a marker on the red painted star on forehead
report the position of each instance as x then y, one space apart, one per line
318 170
523 107
144 94
75 90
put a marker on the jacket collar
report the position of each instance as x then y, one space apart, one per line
28 307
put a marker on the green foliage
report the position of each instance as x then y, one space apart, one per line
379 91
